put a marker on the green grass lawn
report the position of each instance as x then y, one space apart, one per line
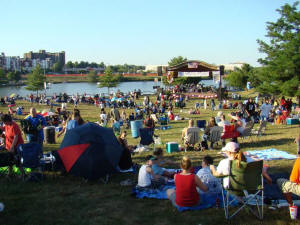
63 199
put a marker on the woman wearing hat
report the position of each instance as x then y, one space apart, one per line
233 152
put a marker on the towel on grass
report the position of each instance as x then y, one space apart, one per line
269 154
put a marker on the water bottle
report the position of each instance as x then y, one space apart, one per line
1 206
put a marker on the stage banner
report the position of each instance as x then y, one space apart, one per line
193 74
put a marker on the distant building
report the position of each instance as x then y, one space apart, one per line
232 66
156 68
47 56
10 63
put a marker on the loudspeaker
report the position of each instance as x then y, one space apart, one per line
221 70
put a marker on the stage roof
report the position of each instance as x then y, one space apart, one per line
193 66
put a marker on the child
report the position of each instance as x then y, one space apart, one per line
186 194
157 165
205 175
146 178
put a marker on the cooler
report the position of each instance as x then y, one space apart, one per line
172 147
291 121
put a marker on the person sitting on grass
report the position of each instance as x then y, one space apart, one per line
233 152
157 166
293 185
206 176
186 183
146 178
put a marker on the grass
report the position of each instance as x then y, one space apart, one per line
63 199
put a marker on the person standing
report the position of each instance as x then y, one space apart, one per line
265 110
250 109
38 122
13 138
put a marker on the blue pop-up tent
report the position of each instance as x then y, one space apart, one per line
90 151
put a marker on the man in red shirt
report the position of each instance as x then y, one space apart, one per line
13 137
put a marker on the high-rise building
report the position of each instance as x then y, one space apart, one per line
43 55
11 63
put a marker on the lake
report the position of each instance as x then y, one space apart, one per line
89 88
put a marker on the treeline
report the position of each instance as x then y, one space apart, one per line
9 76
114 68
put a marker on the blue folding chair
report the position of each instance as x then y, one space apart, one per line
146 135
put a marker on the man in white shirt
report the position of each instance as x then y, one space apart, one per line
265 110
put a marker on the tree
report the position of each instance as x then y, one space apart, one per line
3 78
14 76
239 77
109 79
69 65
92 76
177 60
102 65
35 80
57 67
281 73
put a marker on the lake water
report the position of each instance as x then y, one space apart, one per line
89 88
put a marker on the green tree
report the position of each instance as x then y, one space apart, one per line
69 65
281 73
177 60
14 76
3 78
57 67
92 76
35 80
109 79
239 77
101 65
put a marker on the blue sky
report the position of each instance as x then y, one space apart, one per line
138 31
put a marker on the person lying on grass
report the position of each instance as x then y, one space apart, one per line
233 152
159 162
147 179
186 194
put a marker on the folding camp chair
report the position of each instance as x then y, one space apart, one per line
146 135
215 135
29 156
247 133
245 182
192 136
163 120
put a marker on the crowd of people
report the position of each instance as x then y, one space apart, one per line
152 173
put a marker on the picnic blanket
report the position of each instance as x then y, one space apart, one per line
269 154
208 200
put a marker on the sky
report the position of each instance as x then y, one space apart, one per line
140 32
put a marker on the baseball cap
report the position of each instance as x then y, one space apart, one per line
231 147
